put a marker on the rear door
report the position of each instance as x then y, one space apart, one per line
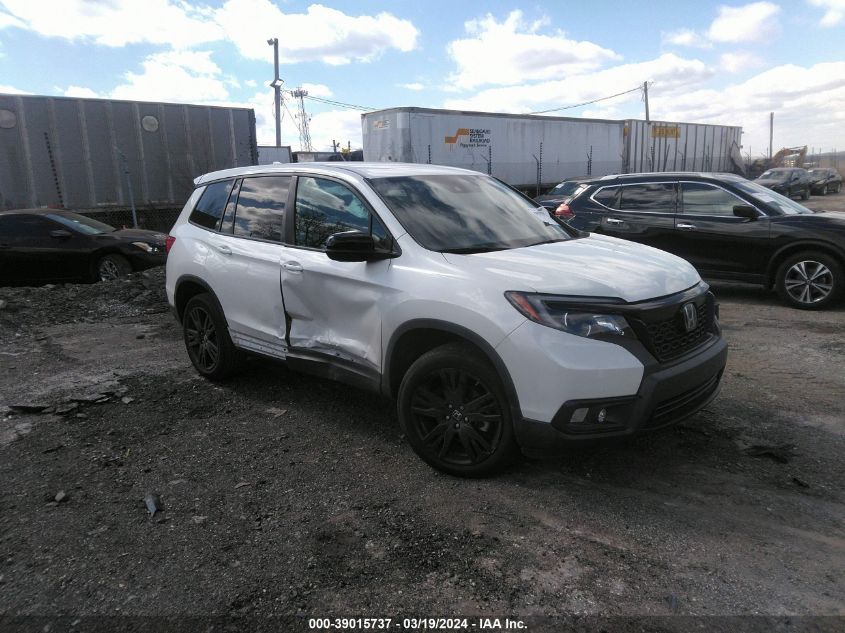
641 212
715 240
333 307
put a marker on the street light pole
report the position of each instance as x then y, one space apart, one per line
277 88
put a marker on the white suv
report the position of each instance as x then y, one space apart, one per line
493 325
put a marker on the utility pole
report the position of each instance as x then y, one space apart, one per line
771 132
304 132
645 97
277 88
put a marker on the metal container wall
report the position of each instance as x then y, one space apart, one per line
269 154
89 153
523 150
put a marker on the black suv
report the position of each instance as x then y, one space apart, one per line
790 181
725 226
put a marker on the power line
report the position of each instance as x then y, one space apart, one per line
340 103
578 105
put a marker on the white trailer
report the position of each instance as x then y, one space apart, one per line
538 151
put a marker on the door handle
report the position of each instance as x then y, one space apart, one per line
687 227
614 221
294 267
223 249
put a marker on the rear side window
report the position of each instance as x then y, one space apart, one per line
657 196
261 207
24 229
210 207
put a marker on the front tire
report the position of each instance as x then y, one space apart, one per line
111 267
810 280
455 414
207 340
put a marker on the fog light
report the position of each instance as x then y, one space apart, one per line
602 416
579 415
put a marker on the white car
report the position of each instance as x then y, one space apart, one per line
494 326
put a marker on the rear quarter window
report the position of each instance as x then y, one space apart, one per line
210 207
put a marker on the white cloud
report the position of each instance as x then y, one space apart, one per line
9 20
739 61
669 72
182 76
117 22
755 22
685 37
808 102
320 34
79 91
250 83
339 125
11 90
317 90
513 51
834 11
415 86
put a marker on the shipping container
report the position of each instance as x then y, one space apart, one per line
530 151
102 154
269 154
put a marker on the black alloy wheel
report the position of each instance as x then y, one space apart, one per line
111 267
455 413
207 339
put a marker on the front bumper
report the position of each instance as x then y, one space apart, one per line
667 394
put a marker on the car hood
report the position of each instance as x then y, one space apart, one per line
594 266
139 235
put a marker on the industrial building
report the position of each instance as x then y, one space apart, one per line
539 151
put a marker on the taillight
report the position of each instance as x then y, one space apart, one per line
564 212
168 244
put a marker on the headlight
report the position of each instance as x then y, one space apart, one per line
147 248
553 312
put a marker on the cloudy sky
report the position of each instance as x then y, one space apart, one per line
708 62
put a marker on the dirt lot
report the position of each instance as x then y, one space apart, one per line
280 493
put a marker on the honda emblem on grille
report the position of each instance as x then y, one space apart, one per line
690 316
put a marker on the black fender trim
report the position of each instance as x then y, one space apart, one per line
200 282
798 246
471 337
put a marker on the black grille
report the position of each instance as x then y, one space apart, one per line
669 338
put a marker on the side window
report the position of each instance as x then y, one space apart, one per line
609 197
325 207
261 207
653 196
703 199
210 207
25 230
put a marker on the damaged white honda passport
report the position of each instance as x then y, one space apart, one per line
494 326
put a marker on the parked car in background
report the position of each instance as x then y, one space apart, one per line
788 181
727 227
40 246
824 180
494 326
559 194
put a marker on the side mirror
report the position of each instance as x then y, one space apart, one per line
745 211
60 234
354 246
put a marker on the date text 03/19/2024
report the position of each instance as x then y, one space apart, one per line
417 624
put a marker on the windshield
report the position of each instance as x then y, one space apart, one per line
773 174
466 214
564 188
81 224
767 196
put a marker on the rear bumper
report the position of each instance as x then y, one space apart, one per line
667 394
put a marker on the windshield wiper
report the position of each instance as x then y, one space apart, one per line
562 239
469 250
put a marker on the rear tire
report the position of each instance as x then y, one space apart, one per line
811 280
111 267
455 414
805 195
207 340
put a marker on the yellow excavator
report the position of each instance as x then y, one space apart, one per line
786 157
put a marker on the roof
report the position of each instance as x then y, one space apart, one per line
666 174
38 211
364 170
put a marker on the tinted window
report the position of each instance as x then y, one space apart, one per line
703 199
24 229
210 207
261 207
465 214
325 207
609 197
653 196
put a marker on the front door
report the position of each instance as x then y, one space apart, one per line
334 307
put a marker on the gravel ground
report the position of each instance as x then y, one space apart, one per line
279 493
